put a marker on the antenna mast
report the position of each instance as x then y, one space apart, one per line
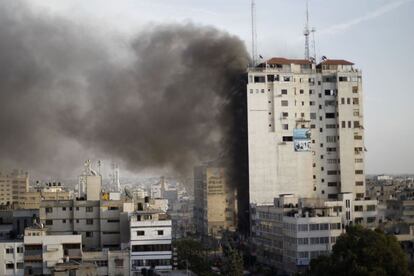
306 31
254 33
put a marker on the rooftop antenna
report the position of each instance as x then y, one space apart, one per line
306 31
254 33
313 31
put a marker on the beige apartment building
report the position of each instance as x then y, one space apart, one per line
305 129
97 221
215 205
12 186
32 199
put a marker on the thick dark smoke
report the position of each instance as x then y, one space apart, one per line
65 95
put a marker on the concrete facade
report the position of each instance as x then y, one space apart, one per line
98 222
215 205
150 241
12 258
12 186
286 95
292 231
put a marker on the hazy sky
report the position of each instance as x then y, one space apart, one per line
377 35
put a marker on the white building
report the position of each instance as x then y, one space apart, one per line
150 241
292 231
305 129
43 252
11 258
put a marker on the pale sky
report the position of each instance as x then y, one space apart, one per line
377 35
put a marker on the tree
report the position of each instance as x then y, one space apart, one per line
362 252
192 255
234 263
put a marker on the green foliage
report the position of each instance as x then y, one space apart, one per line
234 263
362 252
191 253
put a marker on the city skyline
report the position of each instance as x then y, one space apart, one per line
279 35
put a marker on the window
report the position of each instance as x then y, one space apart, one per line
329 92
313 116
330 115
331 149
341 79
332 184
355 101
286 78
357 137
284 103
302 227
49 210
331 126
89 234
20 265
301 91
331 139
63 208
20 249
140 233
285 114
303 241
303 255
259 79
359 172
77 208
371 219
332 172
89 221
358 208
49 222
342 100
359 195
113 220
89 209
343 124
337 209
324 240
356 124
151 247
359 183
314 240
119 262
349 124
284 92
287 138
160 232
63 220
332 196
335 226
371 208
9 250
285 126
101 263
355 89
10 266
314 227
348 100
324 226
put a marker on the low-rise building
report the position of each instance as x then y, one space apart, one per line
11 258
150 241
42 252
108 262
97 221
292 231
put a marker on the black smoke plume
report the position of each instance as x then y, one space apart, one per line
164 99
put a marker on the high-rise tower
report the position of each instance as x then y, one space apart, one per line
305 129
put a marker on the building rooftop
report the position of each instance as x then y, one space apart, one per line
336 62
281 60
